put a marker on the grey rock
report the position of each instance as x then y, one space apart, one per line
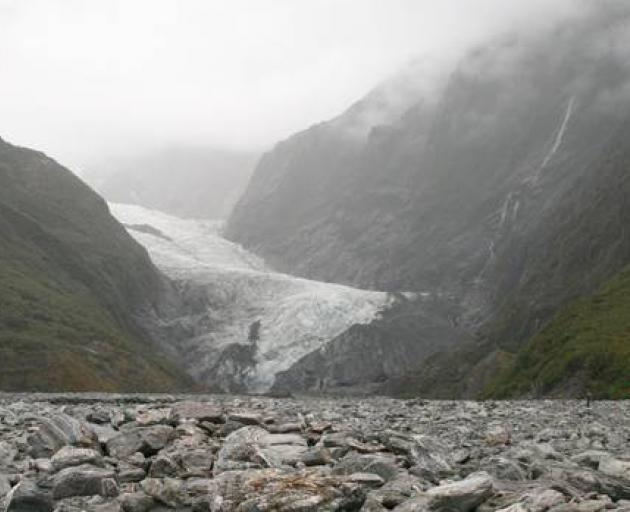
128 473
371 454
498 434
614 467
5 485
246 418
253 447
109 488
104 433
504 469
147 440
425 456
272 489
317 457
162 466
160 416
136 502
8 452
396 492
70 456
83 480
98 416
585 480
57 431
285 428
195 461
382 465
590 458
168 491
370 480
545 500
27 497
200 411
462 496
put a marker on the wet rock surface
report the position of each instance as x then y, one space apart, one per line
141 453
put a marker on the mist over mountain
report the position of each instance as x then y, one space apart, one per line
190 182
499 193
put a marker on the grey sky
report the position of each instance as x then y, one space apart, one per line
82 78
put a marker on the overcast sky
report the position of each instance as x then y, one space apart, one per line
83 78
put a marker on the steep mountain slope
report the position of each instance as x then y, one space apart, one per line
584 348
505 193
74 286
185 181
258 323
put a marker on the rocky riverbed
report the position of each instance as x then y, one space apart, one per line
225 453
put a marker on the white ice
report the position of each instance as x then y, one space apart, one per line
297 315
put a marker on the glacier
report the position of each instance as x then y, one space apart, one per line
296 315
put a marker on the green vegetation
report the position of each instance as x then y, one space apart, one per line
72 283
52 338
583 349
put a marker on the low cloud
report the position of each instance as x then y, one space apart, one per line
85 79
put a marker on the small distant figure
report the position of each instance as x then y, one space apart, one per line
254 332
589 397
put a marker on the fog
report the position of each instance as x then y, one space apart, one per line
82 80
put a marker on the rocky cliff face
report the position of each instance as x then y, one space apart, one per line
503 193
78 293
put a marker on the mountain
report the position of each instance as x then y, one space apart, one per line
503 194
189 182
79 295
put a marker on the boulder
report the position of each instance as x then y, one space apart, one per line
254 447
26 496
462 496
194 462
161 416
498 434
146 440
545 500
586 481
136 502
69 456
57 431
82 480
273 489
614 467
168 491
8 452
246 418
316 457
395 492
5 485
200 411
426 457
162 466
382 465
